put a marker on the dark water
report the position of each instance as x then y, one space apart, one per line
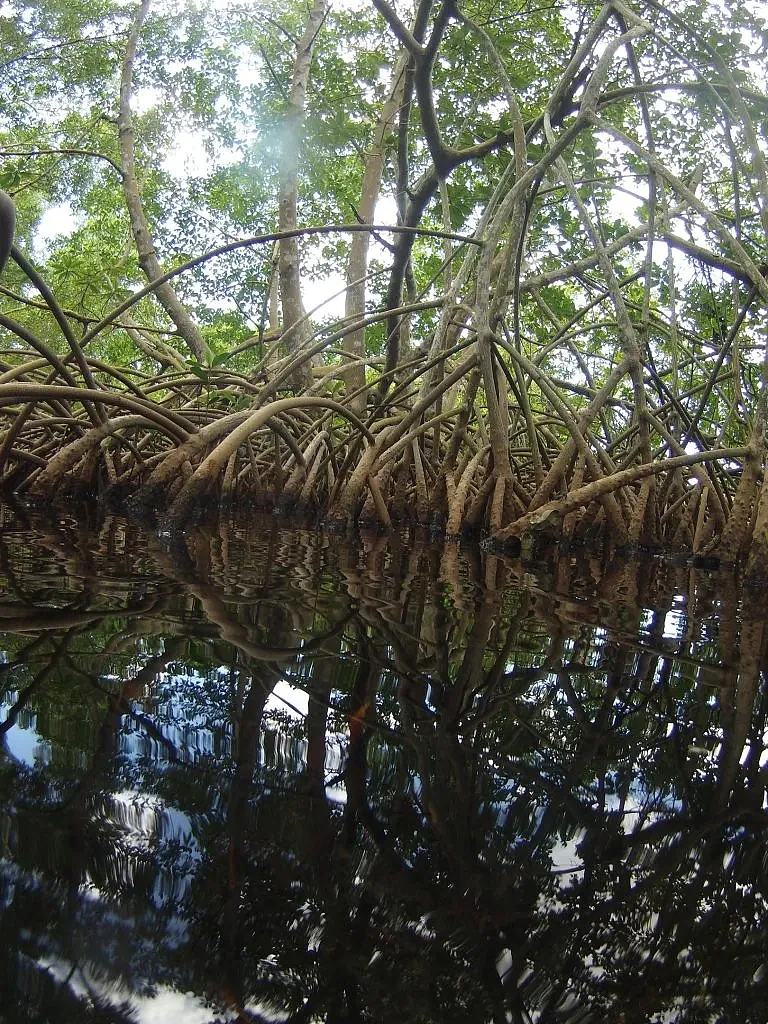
269 775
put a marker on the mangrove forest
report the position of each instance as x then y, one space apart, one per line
494 269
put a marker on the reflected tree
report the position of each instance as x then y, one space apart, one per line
507 790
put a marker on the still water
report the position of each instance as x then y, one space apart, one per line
266 774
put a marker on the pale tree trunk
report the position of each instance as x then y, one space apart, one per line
736 724
354 343
142 235
757 561
735 538
295 328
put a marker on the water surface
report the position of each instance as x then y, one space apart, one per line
270 774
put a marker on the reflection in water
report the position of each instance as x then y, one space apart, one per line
267 775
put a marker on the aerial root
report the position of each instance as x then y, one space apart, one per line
417 463
86 448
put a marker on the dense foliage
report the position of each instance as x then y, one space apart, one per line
558 323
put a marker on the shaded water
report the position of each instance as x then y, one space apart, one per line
265 774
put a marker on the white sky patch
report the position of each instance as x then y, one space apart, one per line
188 157
58 221
166 1006
144 99
328 293
325 296
22 741
288 698
160 1008
674 624
142 818
27 746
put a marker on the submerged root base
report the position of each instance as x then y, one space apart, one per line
531 546
282 460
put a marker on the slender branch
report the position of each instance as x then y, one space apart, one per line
404 35
273 236
39 151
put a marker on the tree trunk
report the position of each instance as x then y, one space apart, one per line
354 343
142 235
296 331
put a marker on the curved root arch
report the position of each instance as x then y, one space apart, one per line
209 470
69 456
172 422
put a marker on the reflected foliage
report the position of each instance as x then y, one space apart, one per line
270 774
